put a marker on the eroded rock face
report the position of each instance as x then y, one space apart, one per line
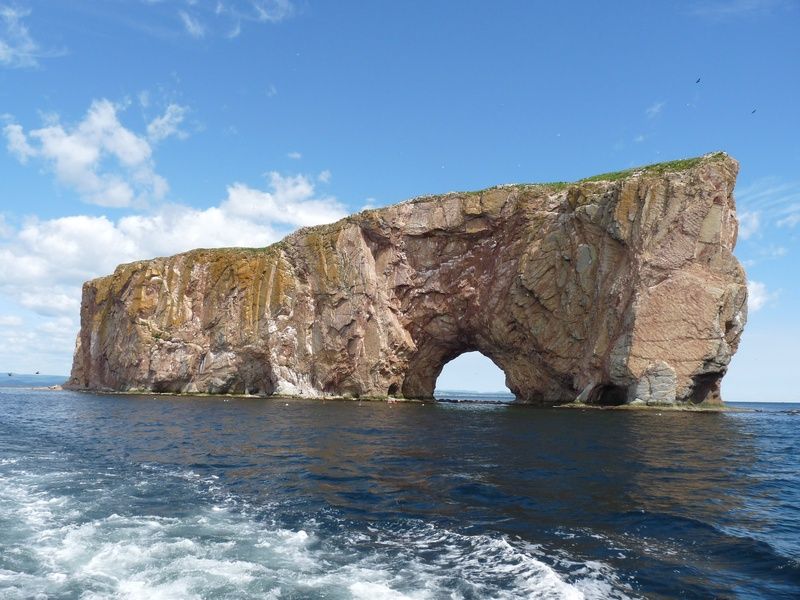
606 291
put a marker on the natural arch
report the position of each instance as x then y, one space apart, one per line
471 372
610 290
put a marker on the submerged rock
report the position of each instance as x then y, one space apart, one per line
615 289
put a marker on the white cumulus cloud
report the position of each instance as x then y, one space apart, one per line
291 201
758 296
44 262
103 161
749 224
44 345
17 143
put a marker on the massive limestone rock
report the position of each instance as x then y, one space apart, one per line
615 289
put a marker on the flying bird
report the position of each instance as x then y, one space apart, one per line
754 111
698 80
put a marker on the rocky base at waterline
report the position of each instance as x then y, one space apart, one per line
612 290
704 407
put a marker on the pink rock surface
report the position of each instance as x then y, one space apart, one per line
610 290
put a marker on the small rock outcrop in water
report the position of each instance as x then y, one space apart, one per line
615 289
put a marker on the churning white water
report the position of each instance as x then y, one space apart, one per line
79 533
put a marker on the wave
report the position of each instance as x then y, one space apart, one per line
144 531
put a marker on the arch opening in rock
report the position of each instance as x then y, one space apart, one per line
471 373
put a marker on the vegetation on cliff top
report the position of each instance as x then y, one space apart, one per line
671 166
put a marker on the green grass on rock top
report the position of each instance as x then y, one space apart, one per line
657 168
671 166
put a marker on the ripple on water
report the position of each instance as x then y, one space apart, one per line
81 534
117 496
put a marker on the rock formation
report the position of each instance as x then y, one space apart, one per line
614 289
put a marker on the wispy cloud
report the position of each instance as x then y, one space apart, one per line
194 27
294 155
774 202
654 109
792 218
144 98
263 11
168 124
235 30
722 9
765 207
224 17
5 228
18 49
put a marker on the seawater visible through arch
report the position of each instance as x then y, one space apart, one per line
472 376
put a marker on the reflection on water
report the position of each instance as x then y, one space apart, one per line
702 503
690 462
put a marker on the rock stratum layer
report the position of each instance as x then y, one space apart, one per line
615 289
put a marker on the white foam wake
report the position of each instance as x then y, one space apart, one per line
59 538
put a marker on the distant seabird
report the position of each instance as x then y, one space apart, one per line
754 111
37 372
698 80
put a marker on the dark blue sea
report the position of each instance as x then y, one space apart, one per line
110 496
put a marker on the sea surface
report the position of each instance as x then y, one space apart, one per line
113 496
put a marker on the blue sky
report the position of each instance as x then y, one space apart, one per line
139 128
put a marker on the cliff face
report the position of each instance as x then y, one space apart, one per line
610 290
